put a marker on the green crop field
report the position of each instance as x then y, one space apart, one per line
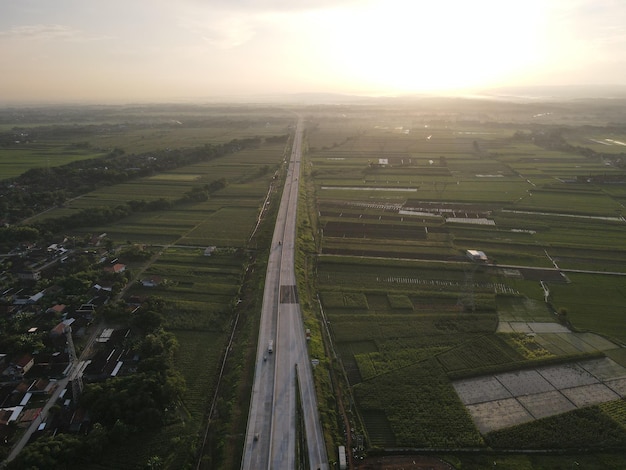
399 197
23 156
200 290
420 407
596 303
176 214
395 196
68 135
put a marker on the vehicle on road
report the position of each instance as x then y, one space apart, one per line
270 347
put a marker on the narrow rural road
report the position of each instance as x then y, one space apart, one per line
61 385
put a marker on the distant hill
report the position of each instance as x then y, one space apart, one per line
558 92
519 93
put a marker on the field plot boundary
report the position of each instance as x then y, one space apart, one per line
531 327
558 339
507 399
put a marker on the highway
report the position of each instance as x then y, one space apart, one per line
271 434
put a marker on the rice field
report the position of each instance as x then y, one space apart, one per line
424 190
26 155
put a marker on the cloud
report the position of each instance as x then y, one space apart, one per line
40 32
45 32
278 6
226 33
228 24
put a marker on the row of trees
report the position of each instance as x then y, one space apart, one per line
41 188
95 216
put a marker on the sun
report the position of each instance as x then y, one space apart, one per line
407 46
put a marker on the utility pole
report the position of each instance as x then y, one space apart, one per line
76 378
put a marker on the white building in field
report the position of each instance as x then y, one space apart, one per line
343 464
476 255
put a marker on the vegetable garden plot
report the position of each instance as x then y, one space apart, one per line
349 363
476 353
554 201
254 192
340 300
519 239
362 215
379 231
120 235
372 249
378 429
229 226
197 363
378 303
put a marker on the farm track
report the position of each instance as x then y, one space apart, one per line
488 265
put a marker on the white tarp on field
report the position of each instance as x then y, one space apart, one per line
507 399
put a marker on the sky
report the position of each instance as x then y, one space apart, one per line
156 50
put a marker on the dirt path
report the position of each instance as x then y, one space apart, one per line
403 462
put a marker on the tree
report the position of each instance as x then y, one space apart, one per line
11 236
120 431
154 463
59 451
148 320
76 283
96 440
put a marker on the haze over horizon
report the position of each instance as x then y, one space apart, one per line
114 51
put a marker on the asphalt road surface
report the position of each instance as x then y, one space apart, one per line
271 435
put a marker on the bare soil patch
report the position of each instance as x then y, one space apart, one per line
511 398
